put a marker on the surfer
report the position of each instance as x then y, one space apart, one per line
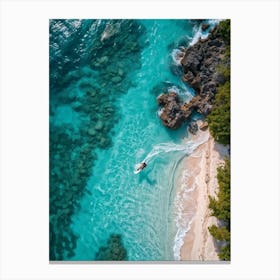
141 166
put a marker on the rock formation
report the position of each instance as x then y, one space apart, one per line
171 114
199 65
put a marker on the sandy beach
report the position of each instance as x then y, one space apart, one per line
196 184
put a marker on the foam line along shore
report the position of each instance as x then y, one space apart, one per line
202 201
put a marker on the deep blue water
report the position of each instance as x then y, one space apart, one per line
105 76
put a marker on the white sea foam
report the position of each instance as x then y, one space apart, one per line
110 30
159 112
185 92
199 34
184 217
177 55
186 148
76 23
179 240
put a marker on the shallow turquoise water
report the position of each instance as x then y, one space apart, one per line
138 207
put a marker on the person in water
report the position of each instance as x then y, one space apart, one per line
142 166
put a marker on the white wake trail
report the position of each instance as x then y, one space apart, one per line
187 148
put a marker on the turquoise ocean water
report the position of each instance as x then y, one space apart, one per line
103 121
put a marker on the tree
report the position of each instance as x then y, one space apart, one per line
223 30
219 118
220 208
219 233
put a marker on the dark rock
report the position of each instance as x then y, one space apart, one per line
196 83
209 88
171 114
166 98
193 128
204 26
188 108
174 121
204 108
216 42
199 65
188 77
191 61
200 61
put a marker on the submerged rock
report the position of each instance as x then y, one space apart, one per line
116 79
120 72
103 59
92 131
99 125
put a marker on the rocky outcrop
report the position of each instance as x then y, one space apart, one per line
199 65
204 26
171 114
193 127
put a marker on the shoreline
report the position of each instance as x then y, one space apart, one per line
195 183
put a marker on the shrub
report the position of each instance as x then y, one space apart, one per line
219 233
224 253
224 30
